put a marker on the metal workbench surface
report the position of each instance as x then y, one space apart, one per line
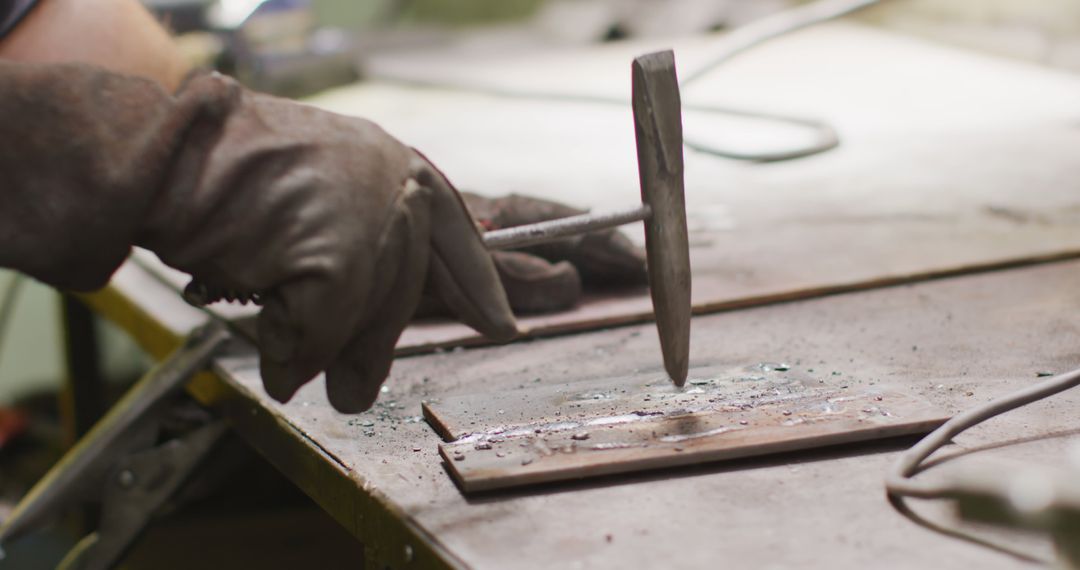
954 341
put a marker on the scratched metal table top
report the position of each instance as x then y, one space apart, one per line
953 341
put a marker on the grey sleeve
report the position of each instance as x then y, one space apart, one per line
12 12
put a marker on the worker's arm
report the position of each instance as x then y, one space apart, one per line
338 223
119 35
122 36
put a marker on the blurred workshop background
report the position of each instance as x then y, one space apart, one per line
301 47
297 47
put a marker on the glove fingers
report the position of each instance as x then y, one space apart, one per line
430 306
604 258
301 328
535 285
460 267
354 378
609 259
515 210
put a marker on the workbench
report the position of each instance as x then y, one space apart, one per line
955 341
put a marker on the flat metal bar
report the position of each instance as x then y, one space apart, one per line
531 234
562 431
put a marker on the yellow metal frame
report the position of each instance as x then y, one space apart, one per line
390 537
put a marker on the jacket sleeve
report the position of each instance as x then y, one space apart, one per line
83 155
12 12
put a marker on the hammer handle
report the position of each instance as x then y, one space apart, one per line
520 236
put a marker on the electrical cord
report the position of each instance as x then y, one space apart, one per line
735 43
899 483
775 25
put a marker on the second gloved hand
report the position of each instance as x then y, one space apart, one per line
551 276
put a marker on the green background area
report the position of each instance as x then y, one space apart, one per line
445 12
31 354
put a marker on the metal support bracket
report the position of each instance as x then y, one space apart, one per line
119 464
135 490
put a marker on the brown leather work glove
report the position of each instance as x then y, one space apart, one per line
338 224
550 277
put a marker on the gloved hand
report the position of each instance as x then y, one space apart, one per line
550 276
340 225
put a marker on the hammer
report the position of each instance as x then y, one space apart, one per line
658 129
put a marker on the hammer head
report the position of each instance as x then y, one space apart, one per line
658 128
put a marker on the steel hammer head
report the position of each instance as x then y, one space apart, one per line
658 129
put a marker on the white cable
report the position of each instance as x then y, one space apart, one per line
899 483
735 43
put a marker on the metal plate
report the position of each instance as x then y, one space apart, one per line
586 429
